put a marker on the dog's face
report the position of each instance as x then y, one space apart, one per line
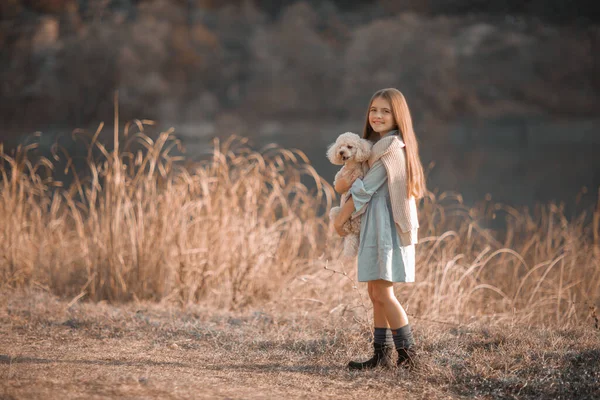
346 151
348 146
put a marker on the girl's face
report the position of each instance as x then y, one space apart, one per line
381 117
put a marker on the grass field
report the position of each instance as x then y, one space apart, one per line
49 349
150 277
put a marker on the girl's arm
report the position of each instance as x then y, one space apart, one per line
363 189
342 185
343 216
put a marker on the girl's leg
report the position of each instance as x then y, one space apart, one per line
382 333
382 337
383 294
383 291
379 318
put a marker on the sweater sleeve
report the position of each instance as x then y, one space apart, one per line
406 211
363 189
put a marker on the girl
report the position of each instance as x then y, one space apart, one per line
386 199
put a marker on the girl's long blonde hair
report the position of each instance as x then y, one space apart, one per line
401 113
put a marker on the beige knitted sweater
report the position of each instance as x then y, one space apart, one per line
390 150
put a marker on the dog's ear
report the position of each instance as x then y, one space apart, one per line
334 155
363 150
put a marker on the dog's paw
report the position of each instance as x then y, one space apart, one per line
334 212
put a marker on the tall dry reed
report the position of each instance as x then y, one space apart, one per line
139 225
248 227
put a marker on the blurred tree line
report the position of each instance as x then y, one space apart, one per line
556 10
190 60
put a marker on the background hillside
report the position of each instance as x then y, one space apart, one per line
505 96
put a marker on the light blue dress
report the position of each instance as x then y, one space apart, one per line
380 255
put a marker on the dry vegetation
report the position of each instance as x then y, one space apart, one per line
245 230
50 349
246 226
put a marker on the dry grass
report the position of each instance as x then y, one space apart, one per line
49 349
244 227
231 229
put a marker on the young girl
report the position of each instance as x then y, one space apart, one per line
385 198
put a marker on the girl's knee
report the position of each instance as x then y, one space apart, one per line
382 293
375 299
371 289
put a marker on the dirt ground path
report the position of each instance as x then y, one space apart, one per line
51 351
76 367
66 365
48 351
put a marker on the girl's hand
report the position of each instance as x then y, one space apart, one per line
343 216
339 228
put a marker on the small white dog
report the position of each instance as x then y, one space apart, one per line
352 151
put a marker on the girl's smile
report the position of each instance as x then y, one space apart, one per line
381 117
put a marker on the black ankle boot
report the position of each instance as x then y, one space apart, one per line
407 358
382 356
